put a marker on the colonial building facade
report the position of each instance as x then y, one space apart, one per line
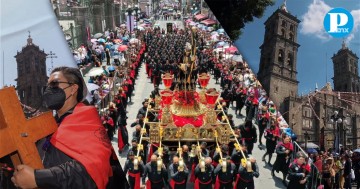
309 115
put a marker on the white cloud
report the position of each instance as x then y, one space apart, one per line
312 20
356 16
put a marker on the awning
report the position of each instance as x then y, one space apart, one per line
200 17
208 22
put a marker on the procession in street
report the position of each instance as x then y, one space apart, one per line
145 75
181 108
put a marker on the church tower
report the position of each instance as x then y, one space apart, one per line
277 70
346 71
31 66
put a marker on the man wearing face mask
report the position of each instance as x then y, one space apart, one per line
245 178
224 179
134 171
178 174
64 166
156 178
204 179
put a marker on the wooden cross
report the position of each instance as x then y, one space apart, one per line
17 134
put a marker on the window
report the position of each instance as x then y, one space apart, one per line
291 27
307 123
289 60
281 56
307 112
283 33
276 89
283 23
291 37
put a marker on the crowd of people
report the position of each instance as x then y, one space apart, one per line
163 52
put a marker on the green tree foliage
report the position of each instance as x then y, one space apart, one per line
234 14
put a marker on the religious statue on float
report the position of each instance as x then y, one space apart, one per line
188 69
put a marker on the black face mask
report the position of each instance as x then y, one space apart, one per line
54 98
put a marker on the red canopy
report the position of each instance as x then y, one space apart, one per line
208 22
200 17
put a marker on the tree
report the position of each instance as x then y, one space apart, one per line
234 14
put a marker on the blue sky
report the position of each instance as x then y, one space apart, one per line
317 47
16 19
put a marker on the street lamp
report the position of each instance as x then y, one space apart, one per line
137 12
193 9
130 14
336 120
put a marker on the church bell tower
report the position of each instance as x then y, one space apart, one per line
346 76
278 60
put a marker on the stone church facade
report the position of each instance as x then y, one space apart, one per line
309 115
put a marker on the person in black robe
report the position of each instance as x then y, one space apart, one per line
249 135
283 151
156 179
251 103
298 172
204 179
133 173
225 179
178 175
263 121
271 136
246 179
240 97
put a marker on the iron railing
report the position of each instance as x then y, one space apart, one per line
315 175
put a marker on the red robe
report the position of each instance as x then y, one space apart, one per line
94 150
121 144
197 183
173 183
192 176
137 179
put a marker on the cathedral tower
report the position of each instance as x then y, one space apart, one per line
277 70
31 66
346 71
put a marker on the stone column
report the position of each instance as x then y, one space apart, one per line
98 17
109 14
117 13
81 20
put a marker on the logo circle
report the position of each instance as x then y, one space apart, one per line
338 22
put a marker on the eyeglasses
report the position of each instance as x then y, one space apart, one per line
55 84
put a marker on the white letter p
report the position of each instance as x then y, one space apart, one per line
334 23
